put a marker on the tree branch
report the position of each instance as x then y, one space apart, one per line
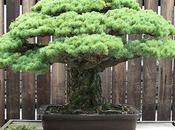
27 47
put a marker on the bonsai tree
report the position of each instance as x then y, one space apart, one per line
88 38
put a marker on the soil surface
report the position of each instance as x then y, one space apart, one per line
119 109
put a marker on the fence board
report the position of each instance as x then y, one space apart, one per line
106 77
149 77
13 94
43 88
173 101
28 79
2 87
134 83
2 97
164 102
27 4
151 4
28 96
58 84
140 2
134 77
118 84
43 82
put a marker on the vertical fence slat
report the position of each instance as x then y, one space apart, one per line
27 5
2 97
151 4
28 96
106 77
173 102
165 91
43 82
58 84
28 79
149 90
43 88
149 77
2 87
140 2
134 77
118 84
134 82
13 93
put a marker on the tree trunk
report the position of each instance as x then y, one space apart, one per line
84 89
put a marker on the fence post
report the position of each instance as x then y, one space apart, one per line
28 79
13 79
149 77
165 90
2 85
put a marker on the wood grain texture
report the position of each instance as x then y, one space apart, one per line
173 101
134 83
13 10
43 89
27 5
2 98
2 87
119 84
28 79
1 17
151 4
149 77
149 90
106 77
165 90
28 96
58 84
140 2
43 82
134 77
13 93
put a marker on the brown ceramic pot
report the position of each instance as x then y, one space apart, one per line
90 121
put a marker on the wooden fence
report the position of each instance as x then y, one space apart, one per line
143 82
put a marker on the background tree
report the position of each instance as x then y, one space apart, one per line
88 38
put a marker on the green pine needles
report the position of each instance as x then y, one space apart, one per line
87 34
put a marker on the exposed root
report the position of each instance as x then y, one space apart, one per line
104 109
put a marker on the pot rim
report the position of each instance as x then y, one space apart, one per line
57 116
90 116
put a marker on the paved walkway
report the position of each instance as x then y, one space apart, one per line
140 126
155 126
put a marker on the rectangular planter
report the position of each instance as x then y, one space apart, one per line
53 121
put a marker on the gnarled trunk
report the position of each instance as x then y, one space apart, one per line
84 89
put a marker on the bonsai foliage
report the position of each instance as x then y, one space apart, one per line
88 37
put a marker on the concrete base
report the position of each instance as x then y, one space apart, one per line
140 125
155 126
